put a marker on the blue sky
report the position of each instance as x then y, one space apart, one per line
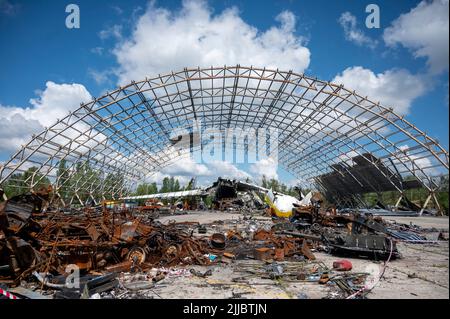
36 47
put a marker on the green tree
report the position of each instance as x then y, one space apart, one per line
171 184
62 178
165 188
20 183
264 182
153 188
86 181
176 187
274 184
443 183
142 189
112 184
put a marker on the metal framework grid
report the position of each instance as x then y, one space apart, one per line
127 132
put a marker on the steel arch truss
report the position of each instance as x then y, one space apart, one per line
117 140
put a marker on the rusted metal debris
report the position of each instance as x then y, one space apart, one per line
47 241
351 232
39 242
35 238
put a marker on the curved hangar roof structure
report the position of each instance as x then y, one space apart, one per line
328 135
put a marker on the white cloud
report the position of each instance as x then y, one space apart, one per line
56 101
163 40
421 162
353 33
267 167
293 182
18 124
100 77
226 170
347 157
181 165
206 173
112 32
15 130
425 31
395 88
186 167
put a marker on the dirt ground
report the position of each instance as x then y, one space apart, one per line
422 272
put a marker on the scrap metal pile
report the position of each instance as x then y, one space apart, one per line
351 233
35 241
38 243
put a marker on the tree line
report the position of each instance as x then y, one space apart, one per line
89 182
169 184
92 183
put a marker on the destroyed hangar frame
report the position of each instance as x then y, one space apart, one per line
321 126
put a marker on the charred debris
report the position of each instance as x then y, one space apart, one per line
40 244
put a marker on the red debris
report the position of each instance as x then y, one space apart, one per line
342 265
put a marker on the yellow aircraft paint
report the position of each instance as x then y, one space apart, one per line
278 212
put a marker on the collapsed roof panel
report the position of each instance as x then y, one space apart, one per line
366 174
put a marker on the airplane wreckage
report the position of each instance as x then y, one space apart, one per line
236 195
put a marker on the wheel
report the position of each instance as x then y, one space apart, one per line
137 254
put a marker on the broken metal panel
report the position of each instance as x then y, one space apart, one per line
368 245
341 181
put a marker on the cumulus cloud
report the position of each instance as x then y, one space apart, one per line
164 40
395 88
353 33
207 172
421 162
181 165
186 166
267 167
56 101
15 130
292 182
227 170
424 30
18 124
